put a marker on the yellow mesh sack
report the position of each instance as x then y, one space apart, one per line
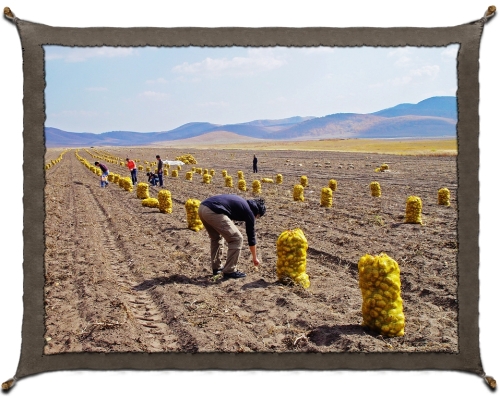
224 173
189 176
384 167
326 197
140 167
142 190
175 173
256 187
212 172
150 202
207 178
127 184
193 220
165 201
228 181
380 286
444 197
298 193
267 180
240 175
332 184
413 210
303 181
205 171
279 179
375 189
292 252
242 185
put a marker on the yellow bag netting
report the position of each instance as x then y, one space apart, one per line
303 181
140 167
205 171
279 179
224 173
175 173
142 190
178 167
207 178
150 202
242 185
380 286
212 172
384 167
298 193
413 210
292 252
189 176
444 197
377 170
148 169
193 220
332 184
165 201
375 189
121 181
127 184
326 197
256 187
199 170
240 175
267 180
228 180
187 159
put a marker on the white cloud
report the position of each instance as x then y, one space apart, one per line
450 51
154 95
257 60
427 70
214 104
77 54
319 50
160 80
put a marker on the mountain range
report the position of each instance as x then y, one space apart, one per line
432 117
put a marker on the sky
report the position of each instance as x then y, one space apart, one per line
148 89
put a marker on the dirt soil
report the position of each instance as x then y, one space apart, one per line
124 278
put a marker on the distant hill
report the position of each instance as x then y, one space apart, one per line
433 117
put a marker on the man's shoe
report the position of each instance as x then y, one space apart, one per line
216 271
234 275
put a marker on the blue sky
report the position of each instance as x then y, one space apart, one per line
149 89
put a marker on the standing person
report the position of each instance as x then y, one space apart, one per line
104 175
133 170
254 164
160 170
217 214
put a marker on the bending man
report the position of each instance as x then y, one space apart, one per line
217 214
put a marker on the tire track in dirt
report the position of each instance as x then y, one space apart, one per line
153 318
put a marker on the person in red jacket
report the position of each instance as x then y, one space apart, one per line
133 170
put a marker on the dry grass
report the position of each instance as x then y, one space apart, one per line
430 147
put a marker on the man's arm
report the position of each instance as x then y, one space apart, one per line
253 250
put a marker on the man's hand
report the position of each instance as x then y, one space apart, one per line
256 262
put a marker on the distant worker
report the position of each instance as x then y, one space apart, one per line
152 179
104 175
133 170
254 164
217 214
160 170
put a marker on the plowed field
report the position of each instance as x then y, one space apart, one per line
122 277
